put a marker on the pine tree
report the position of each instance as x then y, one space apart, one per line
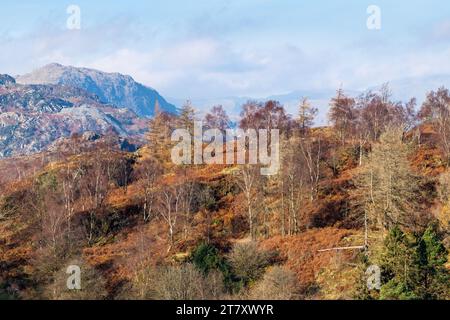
387 185
413 266
306 115
158 137
433 278
187 117
362 290
398 266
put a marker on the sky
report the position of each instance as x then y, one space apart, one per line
218 48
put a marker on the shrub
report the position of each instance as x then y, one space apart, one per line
278 283
186 282
93 285
206 257
248 262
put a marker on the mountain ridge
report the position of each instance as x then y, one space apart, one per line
111 88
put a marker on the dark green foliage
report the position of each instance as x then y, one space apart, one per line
6 294
398 266
206 258
362 292
413 266
433 277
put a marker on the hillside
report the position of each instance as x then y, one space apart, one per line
141 227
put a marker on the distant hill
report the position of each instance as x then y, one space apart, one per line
417 87
233 105
402 90
32 117
111 88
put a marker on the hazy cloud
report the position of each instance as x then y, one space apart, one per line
231 49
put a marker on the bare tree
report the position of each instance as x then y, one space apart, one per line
311 149
186 282
138 260
278 283
269 115
169 208
248 181
343 115
149 171
47 207
248 261
96 184
188 190
71 175
436 109
93 284
294 181
306 115
217 118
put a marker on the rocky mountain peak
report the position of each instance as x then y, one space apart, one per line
112 88
6 80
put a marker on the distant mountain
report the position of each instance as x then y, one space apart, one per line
417 87
32 117
402 90
111 88
6 80
233 105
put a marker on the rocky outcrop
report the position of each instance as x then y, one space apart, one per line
32 117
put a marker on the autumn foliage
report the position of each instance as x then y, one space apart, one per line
128 216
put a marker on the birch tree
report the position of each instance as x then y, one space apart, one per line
248 179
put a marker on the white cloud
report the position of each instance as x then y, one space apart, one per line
211 66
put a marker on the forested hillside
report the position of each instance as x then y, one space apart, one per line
370 189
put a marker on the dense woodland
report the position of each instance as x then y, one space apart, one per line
372 188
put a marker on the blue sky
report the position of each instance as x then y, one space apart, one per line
218 48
